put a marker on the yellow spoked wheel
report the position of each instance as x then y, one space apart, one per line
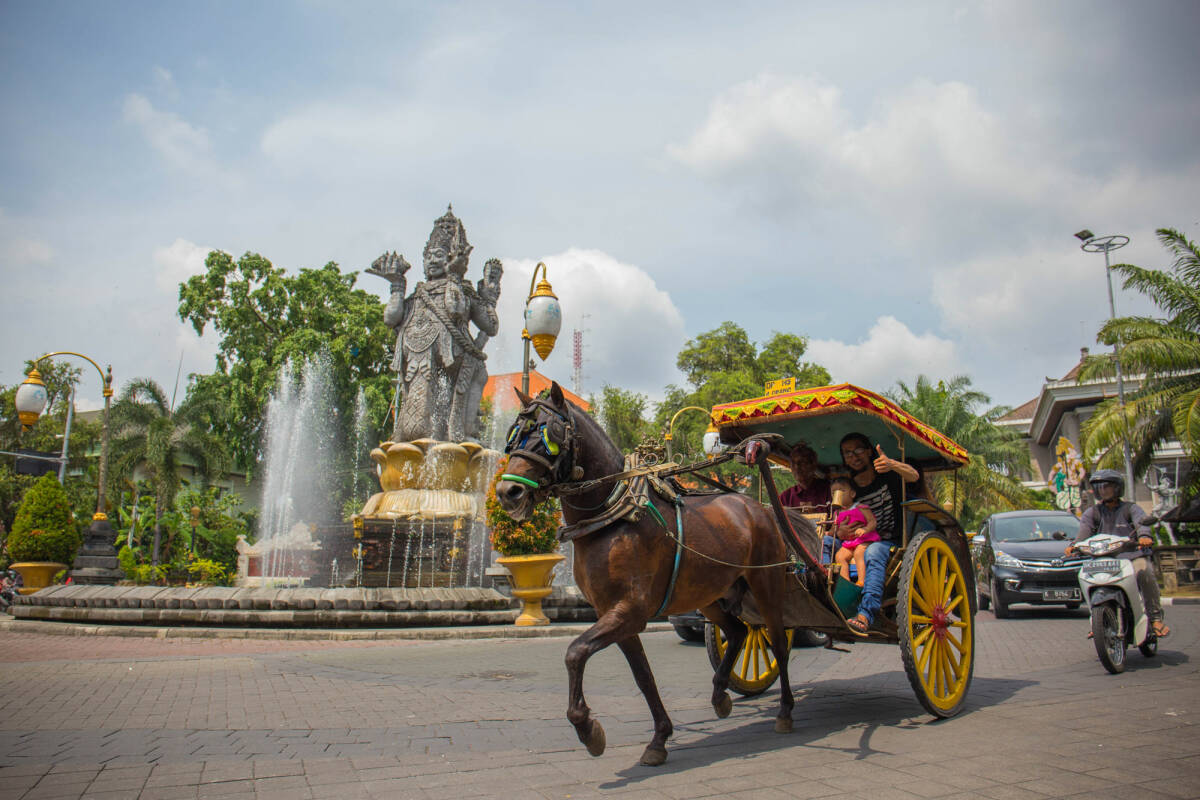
937 627
755 668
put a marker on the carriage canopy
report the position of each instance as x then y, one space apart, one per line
821 416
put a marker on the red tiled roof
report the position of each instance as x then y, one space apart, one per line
1074 371
1023 411
506 399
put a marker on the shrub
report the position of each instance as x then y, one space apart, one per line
144 574
44 529
128 560
512 538
205 570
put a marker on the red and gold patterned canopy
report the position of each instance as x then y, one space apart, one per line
820 417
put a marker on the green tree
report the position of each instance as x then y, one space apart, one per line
45 528
990 481
723 365
265 318
151 434
46 436
622 413
1166 352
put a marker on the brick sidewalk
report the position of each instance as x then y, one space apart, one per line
165 718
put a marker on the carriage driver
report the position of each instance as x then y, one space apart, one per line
878 484
811 489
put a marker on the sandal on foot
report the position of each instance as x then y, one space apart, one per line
858 623
1161 630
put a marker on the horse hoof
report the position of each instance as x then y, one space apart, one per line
654 756
724 706
783 724
595 741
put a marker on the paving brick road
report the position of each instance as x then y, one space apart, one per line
117 717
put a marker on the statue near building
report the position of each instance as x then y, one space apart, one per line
439 362
1067 477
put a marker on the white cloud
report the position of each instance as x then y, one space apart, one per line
182 145
930 163
164 82
197 353
177 262
369 135
17 249
889 353
26 251
632 331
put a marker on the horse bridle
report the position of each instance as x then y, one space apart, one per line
556 437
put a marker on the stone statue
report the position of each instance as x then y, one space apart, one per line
439 363
1067 477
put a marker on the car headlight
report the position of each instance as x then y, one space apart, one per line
1003 559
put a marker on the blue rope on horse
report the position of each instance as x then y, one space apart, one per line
678 548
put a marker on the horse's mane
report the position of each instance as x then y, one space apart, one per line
586 421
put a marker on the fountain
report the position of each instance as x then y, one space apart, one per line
417 553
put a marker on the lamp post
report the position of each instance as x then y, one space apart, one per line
710 434
1091 243
543 321
97 559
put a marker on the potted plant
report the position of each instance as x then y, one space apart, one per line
527 550
44 535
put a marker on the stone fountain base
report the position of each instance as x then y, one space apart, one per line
287 608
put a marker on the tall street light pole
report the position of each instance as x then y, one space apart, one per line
1106 244
97 559
543 321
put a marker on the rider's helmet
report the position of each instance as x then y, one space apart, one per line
1107 476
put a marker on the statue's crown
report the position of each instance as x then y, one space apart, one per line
449 234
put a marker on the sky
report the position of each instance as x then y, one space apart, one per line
897 182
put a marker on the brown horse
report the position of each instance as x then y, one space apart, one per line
625 569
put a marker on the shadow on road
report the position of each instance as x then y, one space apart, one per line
1042 612
823 710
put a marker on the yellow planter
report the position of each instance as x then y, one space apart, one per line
37 574
531 583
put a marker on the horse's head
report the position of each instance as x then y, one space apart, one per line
542 447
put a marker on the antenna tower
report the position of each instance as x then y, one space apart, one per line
577 375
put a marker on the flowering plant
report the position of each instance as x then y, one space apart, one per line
511 538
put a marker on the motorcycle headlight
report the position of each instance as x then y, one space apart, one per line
1003 559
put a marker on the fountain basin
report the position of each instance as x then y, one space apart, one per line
287 608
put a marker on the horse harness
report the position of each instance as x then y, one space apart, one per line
629 496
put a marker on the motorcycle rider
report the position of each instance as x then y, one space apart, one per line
1119 517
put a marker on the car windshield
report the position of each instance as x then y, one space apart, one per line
1034 529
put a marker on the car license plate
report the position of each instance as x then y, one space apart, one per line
1060 594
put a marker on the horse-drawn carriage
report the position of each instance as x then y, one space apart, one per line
929 587
644 548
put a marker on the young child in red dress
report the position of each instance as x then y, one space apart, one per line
855 527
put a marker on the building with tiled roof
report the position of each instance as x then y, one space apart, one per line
1060 410
499 389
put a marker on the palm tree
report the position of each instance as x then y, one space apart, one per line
1166 351
149 433
997 456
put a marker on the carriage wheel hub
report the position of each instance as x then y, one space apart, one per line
940 621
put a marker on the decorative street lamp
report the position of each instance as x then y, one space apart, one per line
97 559
543 321
1104 244
710 434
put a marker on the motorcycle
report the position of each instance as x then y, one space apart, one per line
1109 585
